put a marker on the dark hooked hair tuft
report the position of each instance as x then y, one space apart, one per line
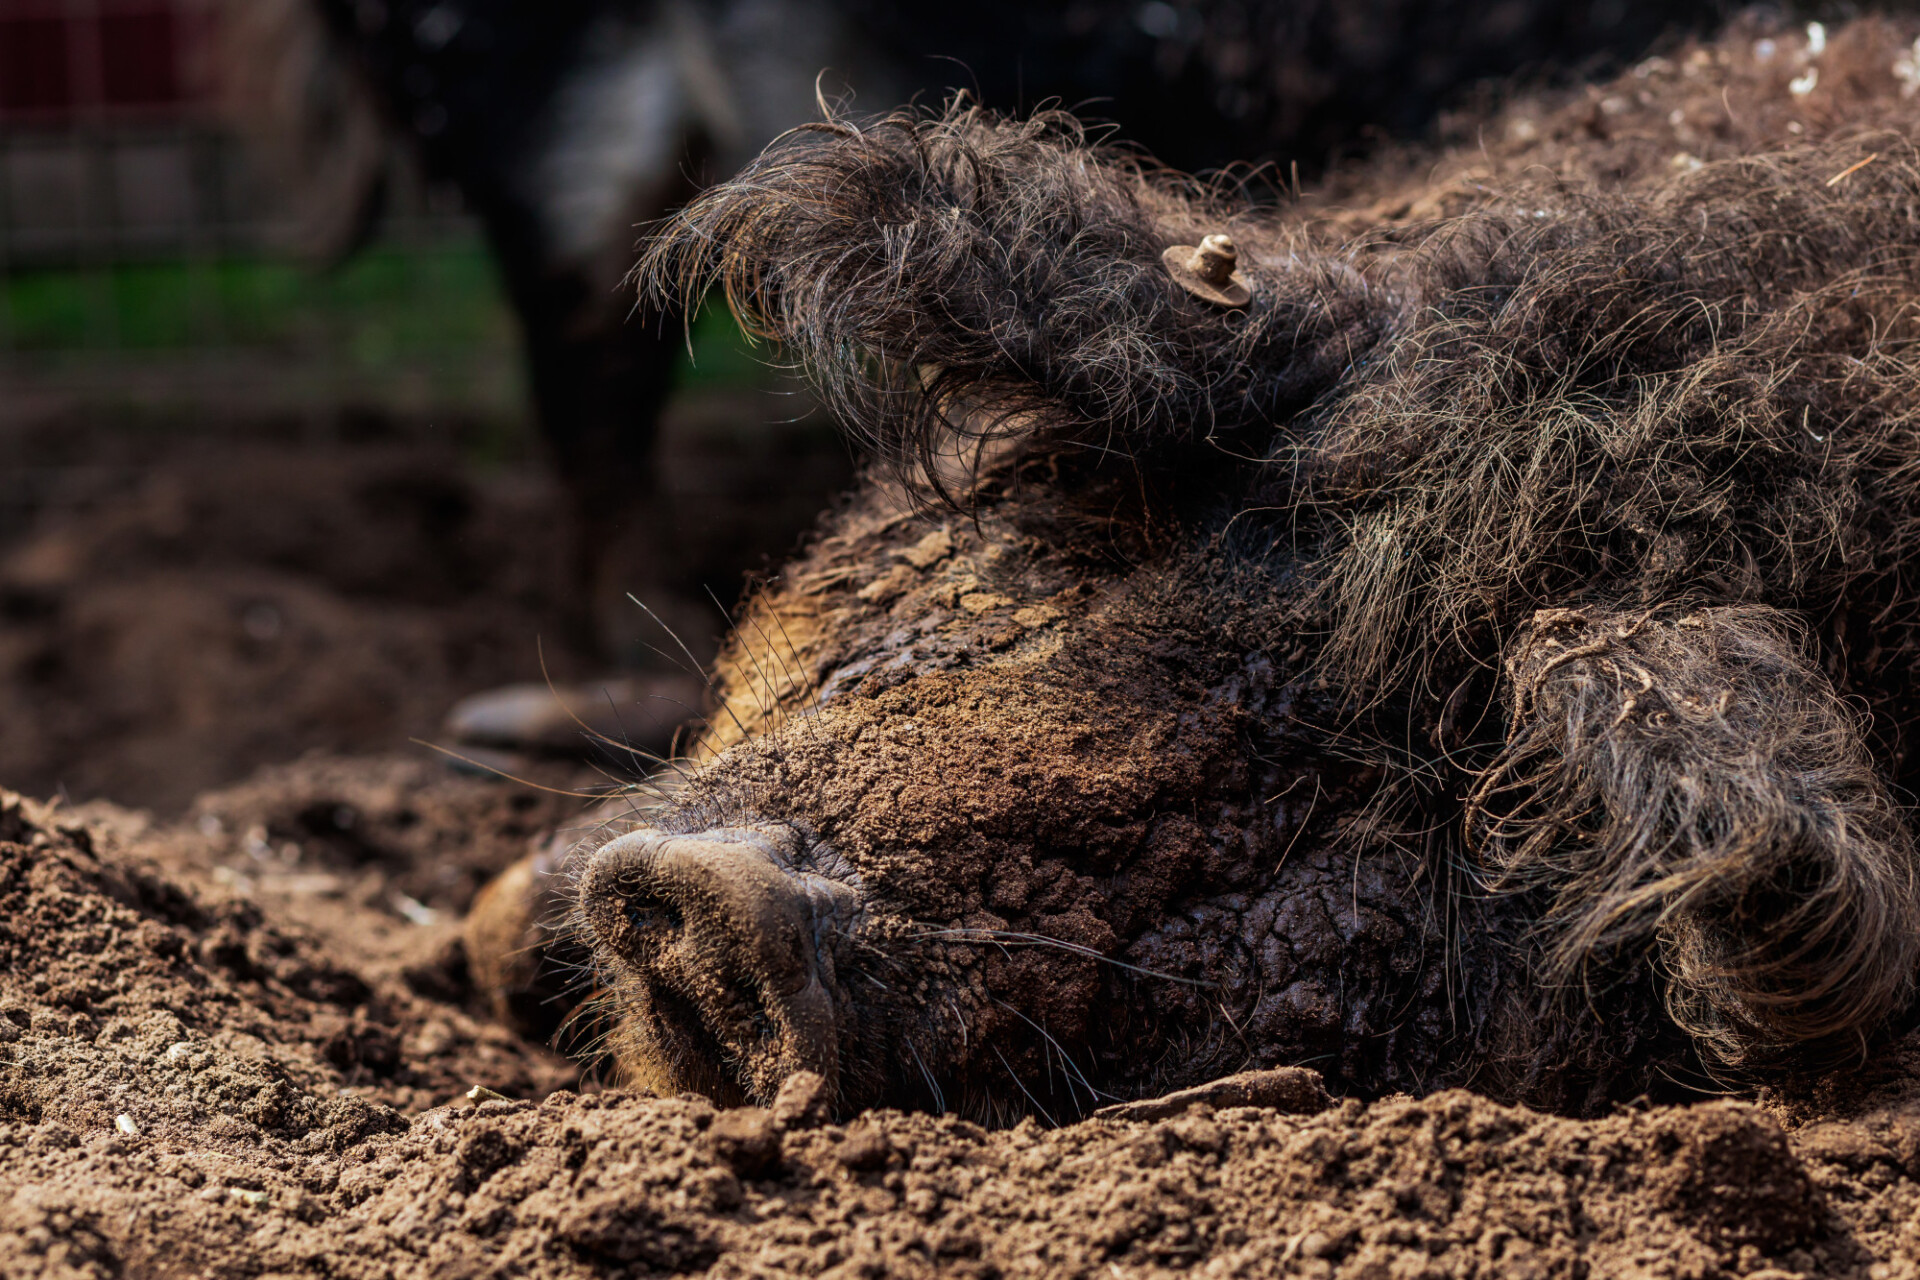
950 279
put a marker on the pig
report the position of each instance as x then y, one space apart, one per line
1458 638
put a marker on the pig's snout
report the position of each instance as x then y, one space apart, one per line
724 927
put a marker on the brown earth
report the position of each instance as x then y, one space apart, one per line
236 1038
212 1068
183 602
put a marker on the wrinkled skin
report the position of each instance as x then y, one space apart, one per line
988 824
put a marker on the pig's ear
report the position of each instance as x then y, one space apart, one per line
950 278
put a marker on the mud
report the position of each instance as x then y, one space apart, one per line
199 1076
173 625
239 1038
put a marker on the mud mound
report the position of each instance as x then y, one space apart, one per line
172 630
184 603
377 830
192 1083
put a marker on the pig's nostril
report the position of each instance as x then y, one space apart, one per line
719 923
639 892
653 917
624 900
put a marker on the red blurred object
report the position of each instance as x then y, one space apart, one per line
61 60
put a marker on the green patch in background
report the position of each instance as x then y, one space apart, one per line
385 309
715 353
382 308
410 333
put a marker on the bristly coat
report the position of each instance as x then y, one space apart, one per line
565 125
1607 490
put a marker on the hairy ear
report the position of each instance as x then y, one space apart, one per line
963 277
1690 785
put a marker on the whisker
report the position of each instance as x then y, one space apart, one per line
1021 1086
1001 936
766 712
539 648
1065 1058
502 773
939 1098
793 681
693 666
813 687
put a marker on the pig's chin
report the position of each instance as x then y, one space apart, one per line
719 946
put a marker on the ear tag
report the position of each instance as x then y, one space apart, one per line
1207 271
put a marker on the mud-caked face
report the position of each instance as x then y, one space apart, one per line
988 824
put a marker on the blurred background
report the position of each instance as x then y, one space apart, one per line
149 266
322 406
266 491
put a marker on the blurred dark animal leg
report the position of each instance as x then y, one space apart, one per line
600 382
599 385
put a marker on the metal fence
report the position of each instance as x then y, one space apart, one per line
146 268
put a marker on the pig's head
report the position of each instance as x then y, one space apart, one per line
1020 810
1135 722
1017 797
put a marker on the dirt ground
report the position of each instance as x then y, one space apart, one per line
238 1036
184 602
237 1031
221 1056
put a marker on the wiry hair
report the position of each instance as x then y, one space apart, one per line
1707 388
1688 783
962 275
1683 407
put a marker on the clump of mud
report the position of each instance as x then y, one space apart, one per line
204 1073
